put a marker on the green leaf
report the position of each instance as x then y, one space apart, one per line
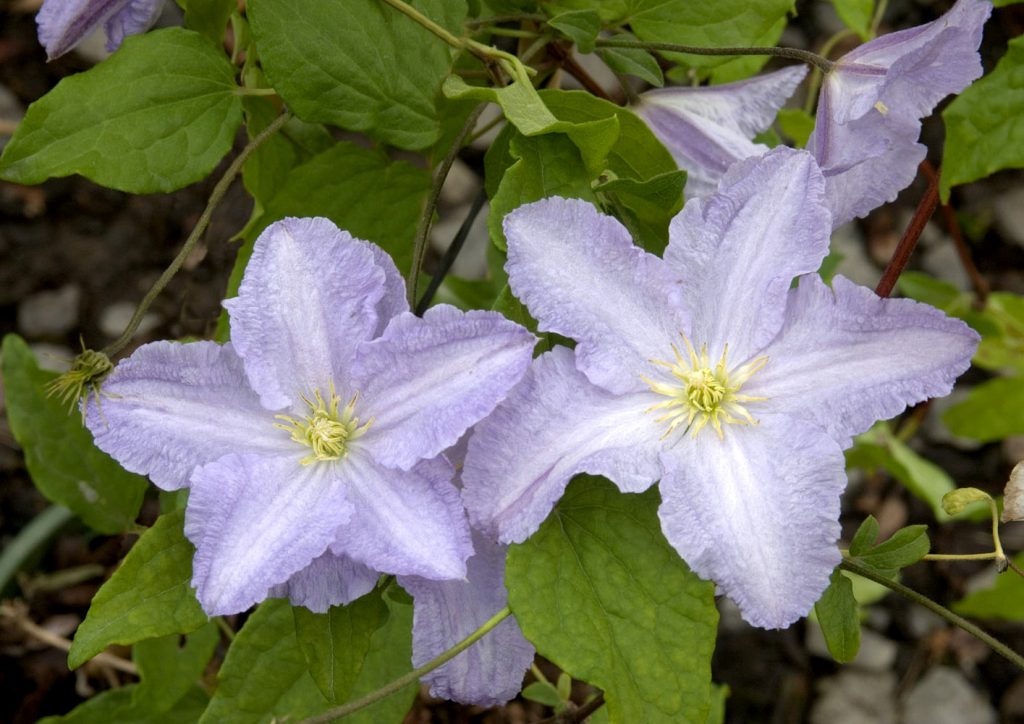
358 64
359 189
724 23
580 26
633 61
169 670
524 109
548 165
335 643
905 547
856 15
936 292
264 674
1004 600
64 463
865 537
985 125
118 706
957 500
600 592
208 17
154 117
879 448
744 66
544 693
1002 343
149 595
994 410
719 695
839 619
796 124
646 207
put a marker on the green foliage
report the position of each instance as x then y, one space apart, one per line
633 61
744 66
1003 600
359 64
796 124
600 592
64 463
335 643
985 124
580 26
169 670
839 617
119 705
265 676
155 116
149 595
994 410
879 448
905 547
856 15
725 23
208 17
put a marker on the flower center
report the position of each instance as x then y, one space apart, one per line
326 430
700 393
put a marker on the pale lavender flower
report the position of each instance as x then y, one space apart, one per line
706 370
490 672
312 443
709 128
872 102
63 24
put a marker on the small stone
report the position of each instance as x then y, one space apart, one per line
856 697
50 313
1009 211
115 318
876 652
944 696
943 262
461 185
855 265
921 622
1013 449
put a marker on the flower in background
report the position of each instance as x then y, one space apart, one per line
63 24
709 372
709 128
872 102
312 443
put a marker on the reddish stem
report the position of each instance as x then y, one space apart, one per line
565 59
925 209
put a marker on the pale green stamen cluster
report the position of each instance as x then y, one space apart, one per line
701 394
326 430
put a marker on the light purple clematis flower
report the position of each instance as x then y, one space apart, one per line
63 24
707 129
312 443
490 672
707 371
872 102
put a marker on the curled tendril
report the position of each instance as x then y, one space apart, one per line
87 372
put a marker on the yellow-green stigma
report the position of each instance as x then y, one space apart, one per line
326 430
701 393
87 371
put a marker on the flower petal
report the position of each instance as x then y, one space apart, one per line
426 381
740 248
581 276
757 512
393 302
255 522
137 16
63 24
555 424
404 522
846 358
708 128
490 672
170 407
308 298
329 580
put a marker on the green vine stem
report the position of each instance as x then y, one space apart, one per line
403 681
204 220
996 645
805 56
42 527
419 248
